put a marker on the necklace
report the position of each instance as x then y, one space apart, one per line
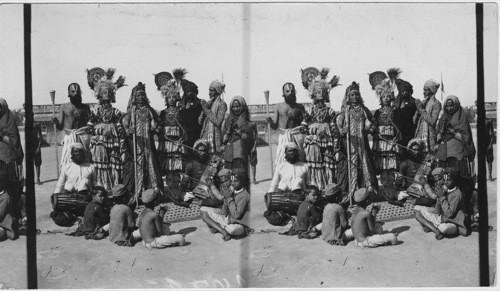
106 114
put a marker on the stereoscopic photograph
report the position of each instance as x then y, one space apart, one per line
248 145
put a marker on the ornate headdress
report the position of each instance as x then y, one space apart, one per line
105 83
388 84
320 82
169 84
353 87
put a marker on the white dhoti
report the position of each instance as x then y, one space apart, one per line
289 135
72 136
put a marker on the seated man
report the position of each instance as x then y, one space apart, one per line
8 225
449 215
388 190
195 167
430 188
216 198
363 227
292 174
234 210
151 228
78 175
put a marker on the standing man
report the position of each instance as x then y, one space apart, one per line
427 115
189 113
280 121
37 153
73 118
212 116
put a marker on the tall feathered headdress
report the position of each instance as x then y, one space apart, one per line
106 84
170 83
320 82
139 88
388 85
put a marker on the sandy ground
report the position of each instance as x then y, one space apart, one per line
264 259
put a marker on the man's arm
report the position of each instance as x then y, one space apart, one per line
430 118
59 120
62 180
159 224
274 122
370 217
450 204
237 208
219 118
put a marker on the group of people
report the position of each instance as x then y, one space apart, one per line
421 152
191 152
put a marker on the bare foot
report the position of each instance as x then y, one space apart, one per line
255 182
39 182
213 230
226 237
439 236
425 229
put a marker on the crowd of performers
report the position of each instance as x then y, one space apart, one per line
193 153
422 152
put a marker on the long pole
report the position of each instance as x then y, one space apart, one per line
134 141
266 96
484 267
53 97
348 119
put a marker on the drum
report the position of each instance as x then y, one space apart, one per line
74 203
288 202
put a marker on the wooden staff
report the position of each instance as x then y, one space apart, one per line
134 142
266 95
53 98
348 120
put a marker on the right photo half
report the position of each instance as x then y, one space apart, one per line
365 168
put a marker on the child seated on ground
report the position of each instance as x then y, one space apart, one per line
234 210
334 222
308 215
449 217
151 228
94 217
363 227
122 223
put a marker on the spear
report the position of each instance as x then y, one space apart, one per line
53 98
266 96
348 119
134 142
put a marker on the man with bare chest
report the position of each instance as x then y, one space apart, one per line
290 131
73 118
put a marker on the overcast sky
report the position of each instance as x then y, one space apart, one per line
254 46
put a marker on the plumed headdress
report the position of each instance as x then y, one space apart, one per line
106 85
170 84
353 87
320 82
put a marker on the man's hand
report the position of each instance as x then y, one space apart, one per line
5 139
162 210
131 130
55 121
204 105
209 182
269 120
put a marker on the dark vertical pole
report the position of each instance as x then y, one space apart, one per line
30 181
484 270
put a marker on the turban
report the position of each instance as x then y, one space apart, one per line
119 190
432 85
402 84
201 141
361 194
218 86
291 145
225 172
438 171
417 142
148 195
189 86
77 145
332 190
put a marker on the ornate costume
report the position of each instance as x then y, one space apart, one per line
321 141
106 144
146 158
353 121
385 149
